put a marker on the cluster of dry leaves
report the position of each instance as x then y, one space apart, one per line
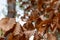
46 19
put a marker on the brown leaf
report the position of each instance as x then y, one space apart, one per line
9 37
18 30
7 23
51 36
29 26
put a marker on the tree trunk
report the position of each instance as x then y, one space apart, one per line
11 8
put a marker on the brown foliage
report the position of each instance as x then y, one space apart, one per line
14 31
